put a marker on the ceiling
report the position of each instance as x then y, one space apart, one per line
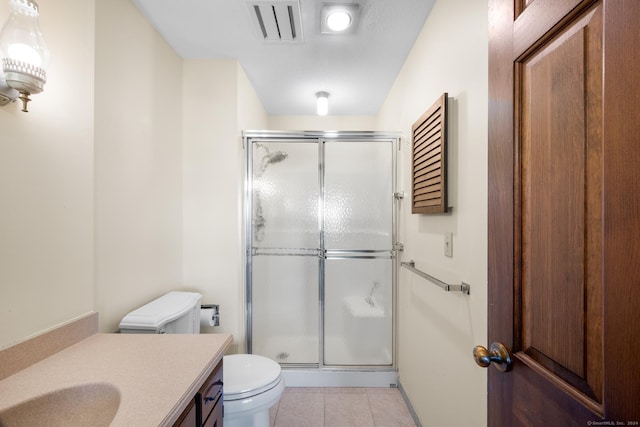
356 69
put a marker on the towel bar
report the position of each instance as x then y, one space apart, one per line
464 287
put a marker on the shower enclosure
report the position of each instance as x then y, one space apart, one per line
320 256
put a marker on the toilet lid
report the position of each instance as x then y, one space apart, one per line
248 374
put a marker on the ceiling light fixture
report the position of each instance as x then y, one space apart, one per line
322 103
339 18
23 53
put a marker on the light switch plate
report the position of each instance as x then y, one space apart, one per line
448 244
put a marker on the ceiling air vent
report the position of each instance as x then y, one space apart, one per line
277 20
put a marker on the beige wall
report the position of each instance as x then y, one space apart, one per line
344 123
251 114
437 330
57 262
46 183
138 163
91 178
218 103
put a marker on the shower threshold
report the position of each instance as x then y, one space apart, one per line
315 377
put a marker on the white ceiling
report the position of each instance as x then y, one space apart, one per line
356 69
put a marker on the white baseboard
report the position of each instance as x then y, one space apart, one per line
296 377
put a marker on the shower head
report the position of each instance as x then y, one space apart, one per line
276 157
271 158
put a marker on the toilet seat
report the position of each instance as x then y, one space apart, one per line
247 375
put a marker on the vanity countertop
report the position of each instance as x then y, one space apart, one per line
156 375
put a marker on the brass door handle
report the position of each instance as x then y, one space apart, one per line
498 354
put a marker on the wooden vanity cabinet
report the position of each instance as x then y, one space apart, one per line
188 417
206 407
209 400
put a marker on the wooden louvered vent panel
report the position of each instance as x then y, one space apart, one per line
429 160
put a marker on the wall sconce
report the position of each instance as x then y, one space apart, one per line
322 103
23 53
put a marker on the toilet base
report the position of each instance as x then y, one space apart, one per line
260 419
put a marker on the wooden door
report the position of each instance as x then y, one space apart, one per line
564 211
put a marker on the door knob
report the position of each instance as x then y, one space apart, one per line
497 353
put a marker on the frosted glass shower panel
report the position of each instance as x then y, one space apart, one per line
358 312
285 195
284 303
319 245
358 195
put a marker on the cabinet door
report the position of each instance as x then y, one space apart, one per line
209 399
188 417
215 418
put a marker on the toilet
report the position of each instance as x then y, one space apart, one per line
252 383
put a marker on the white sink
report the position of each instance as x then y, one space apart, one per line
92 404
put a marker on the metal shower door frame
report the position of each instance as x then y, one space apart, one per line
321 137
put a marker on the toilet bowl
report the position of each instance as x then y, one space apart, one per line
252 385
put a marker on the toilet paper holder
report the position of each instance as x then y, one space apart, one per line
215 309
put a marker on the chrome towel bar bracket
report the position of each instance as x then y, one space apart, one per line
463 287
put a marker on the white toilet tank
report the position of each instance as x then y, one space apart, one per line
172 313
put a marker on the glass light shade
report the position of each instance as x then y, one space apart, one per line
23 51
322 103
338 20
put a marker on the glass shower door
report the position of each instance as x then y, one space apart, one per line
358 243
285 238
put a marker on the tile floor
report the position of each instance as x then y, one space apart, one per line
341 407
